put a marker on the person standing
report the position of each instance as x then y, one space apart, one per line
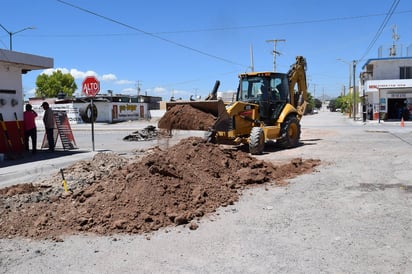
30 130
48 120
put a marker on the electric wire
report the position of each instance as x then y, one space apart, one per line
347 18
152 34
381 28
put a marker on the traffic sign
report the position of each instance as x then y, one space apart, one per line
90 86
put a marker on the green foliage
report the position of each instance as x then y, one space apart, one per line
344 103
311 103
318 103
51 85
333 105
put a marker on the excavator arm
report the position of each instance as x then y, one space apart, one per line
297 75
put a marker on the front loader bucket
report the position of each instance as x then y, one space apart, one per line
210 106
194 115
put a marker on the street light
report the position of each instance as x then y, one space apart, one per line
350 72
12 33
352 66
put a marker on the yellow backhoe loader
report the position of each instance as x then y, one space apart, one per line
267 107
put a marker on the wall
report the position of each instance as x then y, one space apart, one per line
389 69
10 105
12 65
107 112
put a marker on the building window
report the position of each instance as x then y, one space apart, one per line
369 69
405 73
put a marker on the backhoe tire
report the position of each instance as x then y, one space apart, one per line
289 133
257 141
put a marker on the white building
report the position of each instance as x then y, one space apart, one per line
387 86
12 66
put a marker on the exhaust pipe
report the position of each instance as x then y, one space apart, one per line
213 94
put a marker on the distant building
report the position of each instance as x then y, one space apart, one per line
107 108
226 96
387 85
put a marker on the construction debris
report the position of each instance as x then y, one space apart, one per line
148 133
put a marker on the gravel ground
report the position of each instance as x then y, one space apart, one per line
352 216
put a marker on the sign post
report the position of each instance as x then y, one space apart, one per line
90 87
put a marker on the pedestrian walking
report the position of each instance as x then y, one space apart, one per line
30 130
48 120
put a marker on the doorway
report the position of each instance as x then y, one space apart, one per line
395 108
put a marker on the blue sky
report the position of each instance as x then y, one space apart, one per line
182 47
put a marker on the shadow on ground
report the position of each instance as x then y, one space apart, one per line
272 146
41 155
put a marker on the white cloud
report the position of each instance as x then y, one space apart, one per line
29 93
124 82
109 77
77 74
129 90
160 90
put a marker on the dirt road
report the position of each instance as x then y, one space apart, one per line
354 215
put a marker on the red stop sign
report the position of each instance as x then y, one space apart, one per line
90 86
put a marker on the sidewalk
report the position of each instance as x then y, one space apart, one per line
107 138
28 167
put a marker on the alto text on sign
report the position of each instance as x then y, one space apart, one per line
90 86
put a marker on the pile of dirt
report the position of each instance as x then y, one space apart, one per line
111 194
186 117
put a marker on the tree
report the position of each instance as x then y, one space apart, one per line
318 103
311 103
52 85
333 105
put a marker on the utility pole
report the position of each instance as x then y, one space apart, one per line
275 41
138 89
354 89
314 91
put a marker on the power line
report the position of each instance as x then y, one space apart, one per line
230 28
381 28
346 18
152 34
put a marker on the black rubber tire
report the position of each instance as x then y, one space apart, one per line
257 141
289 133
86 113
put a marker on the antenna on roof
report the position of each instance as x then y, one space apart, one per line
395 37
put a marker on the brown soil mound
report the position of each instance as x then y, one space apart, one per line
111 194
186 117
